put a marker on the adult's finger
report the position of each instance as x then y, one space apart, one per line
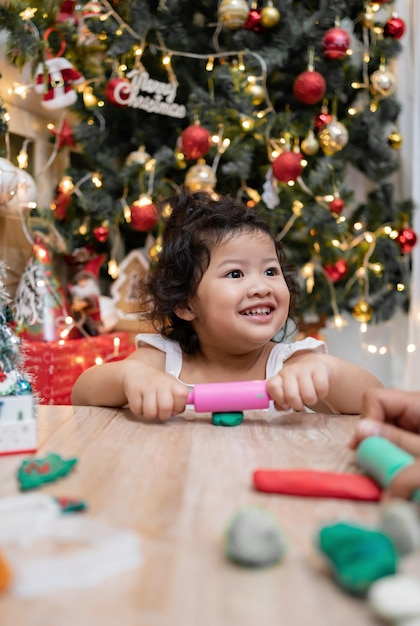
408 441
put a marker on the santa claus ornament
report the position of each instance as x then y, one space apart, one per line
85 297
56 79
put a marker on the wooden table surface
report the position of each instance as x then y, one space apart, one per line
178 484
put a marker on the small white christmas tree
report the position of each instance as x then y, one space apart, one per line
17 420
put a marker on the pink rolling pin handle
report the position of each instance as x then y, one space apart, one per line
224 397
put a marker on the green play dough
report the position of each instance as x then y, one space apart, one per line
227 419
358 555
34 472
254 539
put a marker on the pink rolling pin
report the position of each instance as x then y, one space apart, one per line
224 397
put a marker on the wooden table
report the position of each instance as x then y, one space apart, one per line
178 484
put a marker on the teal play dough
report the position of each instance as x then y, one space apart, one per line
254 539
381 459
358 556
227 419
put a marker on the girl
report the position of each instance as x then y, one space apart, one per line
218 295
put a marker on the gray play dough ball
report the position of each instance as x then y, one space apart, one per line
396 598
401 522
253 538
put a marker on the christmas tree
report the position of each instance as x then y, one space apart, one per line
288 105
18 426
12 379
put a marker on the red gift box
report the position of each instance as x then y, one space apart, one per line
55 366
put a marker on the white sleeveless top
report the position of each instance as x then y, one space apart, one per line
280 353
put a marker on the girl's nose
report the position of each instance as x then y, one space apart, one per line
259 287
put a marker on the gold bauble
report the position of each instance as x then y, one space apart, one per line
395 140
139 157
257 94
310 144
200 177
382 83
368 18
233 13
167 211
270 16
155 250
362 312
333 137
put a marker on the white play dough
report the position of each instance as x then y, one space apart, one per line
396 598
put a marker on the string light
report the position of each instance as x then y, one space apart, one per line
210 64
117 343
66 184
22 157
113 269
97 180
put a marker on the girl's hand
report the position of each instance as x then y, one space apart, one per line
303 382
153 394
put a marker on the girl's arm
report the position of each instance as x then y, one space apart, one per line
321 382
138 381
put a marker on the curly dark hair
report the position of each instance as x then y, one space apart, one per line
194 223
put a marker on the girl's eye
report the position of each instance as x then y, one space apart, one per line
234 274
272 271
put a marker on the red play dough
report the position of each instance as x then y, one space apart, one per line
316 484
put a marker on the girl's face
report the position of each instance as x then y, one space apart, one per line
242 300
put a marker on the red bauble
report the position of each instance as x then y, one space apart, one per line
195 142
407 239
101 233
336 205
144 217
309 87
337 270
117 91
320 120
336 42
253 21
287 166
394 27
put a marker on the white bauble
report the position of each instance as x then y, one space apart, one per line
8 181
